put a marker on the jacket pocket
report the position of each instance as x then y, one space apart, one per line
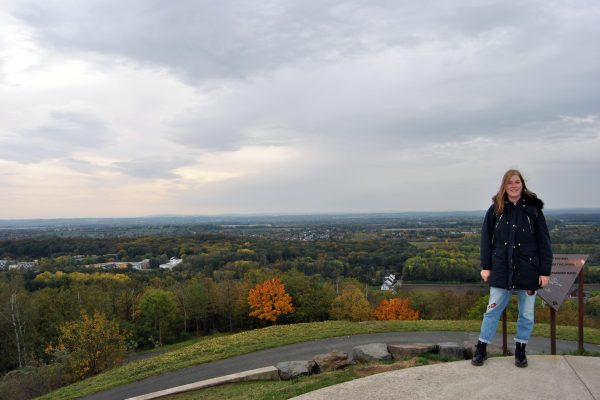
531 263
498 260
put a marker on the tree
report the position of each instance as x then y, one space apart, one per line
351 304
93 344
158 307
12 312
197 302
395 309
312 296
268 300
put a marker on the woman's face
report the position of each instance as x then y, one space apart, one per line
514 187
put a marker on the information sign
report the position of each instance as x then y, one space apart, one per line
565 269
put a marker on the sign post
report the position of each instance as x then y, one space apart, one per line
581 310
565 269
504 343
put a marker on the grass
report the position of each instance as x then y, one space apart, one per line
277 390
220 347
179 345
269 390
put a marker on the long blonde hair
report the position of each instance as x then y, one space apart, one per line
500 197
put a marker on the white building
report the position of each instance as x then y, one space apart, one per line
388 282
24 265
140 265
173 262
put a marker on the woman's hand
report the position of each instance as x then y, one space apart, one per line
485 274
544 281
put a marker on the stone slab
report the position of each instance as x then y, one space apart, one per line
371 352
451 349
399 351
332 361
259 374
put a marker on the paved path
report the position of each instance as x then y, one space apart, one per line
306 351
547 378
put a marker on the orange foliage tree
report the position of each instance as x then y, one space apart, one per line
395 309
269 300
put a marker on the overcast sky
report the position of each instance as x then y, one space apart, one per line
144 107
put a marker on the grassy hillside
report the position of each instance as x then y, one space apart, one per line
221 347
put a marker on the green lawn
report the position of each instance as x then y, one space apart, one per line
220 347
268 390
277 390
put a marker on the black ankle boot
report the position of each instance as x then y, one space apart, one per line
520 356
480 354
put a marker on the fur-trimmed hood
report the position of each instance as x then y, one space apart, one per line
533 201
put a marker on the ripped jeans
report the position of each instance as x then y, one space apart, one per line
498 301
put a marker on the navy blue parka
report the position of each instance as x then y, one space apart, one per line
515 245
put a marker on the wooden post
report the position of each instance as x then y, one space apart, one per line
552 331
581 311
504 344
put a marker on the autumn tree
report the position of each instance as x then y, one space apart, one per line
351 304
268 300
395 309
92 344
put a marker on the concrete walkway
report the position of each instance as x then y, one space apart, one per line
547 378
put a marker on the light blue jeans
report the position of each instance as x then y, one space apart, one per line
498 301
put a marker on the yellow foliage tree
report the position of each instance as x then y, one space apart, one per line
351 305
268 300
395 309
92 344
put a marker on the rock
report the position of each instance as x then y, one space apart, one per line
332 361
400 351
371 352
468 353
451 349
293 369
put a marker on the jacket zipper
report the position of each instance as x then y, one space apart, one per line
499 219
530 227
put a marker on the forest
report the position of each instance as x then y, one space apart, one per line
239 275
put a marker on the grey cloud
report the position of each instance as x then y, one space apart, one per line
494 65
64 133
236 38
73 128
158 167
216 134
81 166
26 152
229 133
475 18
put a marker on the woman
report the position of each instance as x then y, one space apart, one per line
516 256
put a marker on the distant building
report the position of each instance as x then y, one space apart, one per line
109 266
24 266
173 262
388 282
141 265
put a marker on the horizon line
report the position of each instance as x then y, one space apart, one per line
289 214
